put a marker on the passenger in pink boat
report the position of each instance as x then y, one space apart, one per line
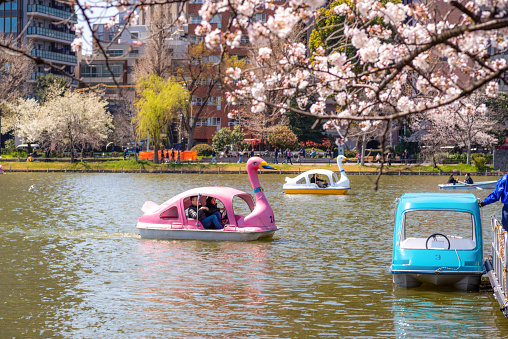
211 204
199 213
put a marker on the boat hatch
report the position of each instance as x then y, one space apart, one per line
335 178
437 229
170 214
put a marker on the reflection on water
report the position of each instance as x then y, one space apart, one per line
74 265
429 313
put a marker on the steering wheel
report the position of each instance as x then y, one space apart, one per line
435 235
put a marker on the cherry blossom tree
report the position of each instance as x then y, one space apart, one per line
16 71
77 120
67 120
24 118
466 122
391 75
368 86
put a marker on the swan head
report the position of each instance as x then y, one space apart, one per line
256 163
341 157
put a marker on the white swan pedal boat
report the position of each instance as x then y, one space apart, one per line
319 181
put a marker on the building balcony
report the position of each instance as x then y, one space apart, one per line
61 58
49 34
52 13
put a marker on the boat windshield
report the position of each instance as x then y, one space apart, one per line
418 225
321 180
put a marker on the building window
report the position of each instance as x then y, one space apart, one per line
258 18
101 71
134 53
197 101
114 52
244 39
212 121
7 6
217 19
195 19
196 1
195 39
135 35
233 122
211 59
214 101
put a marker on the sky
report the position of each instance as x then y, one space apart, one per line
96 15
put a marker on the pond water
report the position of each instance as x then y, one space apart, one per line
74 266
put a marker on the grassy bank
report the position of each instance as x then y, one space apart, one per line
146 166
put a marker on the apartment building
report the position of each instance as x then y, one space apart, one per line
112 64
114 67
215 115
49 28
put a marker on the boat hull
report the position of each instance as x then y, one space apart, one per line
481 184
205 235
326 191
461 281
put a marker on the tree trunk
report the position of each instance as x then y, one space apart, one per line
190 138
364 144
469 149
155 152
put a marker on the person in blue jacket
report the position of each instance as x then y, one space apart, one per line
500 192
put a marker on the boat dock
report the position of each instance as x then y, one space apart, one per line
496 264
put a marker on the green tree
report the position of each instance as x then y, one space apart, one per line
158 102
301 125
227 137
282 136
498 111
49 84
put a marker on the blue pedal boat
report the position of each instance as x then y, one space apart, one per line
437 239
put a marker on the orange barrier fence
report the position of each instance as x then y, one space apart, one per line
184 156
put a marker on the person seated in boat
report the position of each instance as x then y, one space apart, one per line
468 179
211 204
318 181
451 180
198 213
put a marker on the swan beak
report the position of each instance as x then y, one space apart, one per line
265 165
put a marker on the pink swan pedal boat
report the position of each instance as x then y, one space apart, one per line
170 221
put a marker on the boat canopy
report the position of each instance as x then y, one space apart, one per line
438 201
418 215
302 178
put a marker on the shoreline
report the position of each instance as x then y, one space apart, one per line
36 167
